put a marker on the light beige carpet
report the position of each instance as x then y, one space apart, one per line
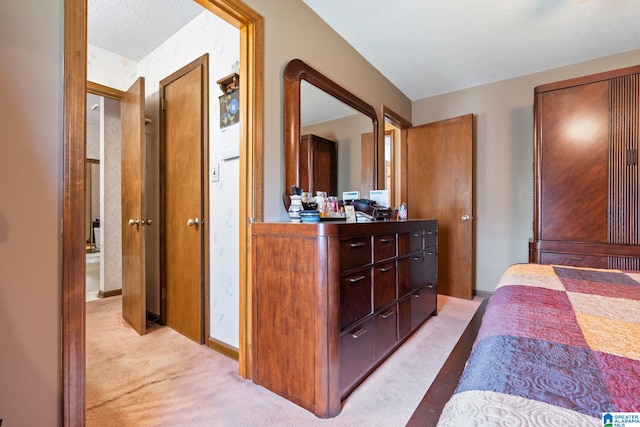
165 379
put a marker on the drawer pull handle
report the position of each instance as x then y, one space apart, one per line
357 245
416 258
416 295
384 270
385 241
387 314
357 279
416 235
357 334
429 233
430 253
431 285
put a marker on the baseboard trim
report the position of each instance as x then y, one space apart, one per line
223 348
107 294
483 294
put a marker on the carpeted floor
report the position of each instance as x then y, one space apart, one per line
165 379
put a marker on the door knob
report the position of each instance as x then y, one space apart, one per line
465 218
133 222
147 221
193 221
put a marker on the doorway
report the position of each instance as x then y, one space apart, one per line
250 25
103 267
394 158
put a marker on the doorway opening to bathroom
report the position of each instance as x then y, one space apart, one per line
92 217
103 274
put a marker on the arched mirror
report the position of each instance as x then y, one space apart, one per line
314 105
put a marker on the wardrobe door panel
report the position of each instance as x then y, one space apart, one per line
573 156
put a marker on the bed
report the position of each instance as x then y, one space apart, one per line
557 346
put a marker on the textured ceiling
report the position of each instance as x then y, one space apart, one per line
134 28
425 47
430 47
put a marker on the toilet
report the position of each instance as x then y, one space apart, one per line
93 272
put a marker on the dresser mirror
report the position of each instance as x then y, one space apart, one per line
314 104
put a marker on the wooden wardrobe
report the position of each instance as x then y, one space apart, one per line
318 165
587 206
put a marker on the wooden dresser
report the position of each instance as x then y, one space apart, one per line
587 200
332 300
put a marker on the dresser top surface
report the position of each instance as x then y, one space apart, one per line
341 228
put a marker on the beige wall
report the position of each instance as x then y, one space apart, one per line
504 158
30 170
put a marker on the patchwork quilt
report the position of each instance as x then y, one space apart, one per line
557 346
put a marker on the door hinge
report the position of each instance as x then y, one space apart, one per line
162 104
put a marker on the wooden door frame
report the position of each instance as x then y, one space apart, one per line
388 115
251 27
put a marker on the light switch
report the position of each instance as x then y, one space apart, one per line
215 173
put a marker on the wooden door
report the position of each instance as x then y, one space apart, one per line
367 164
133 207
439 185
183 228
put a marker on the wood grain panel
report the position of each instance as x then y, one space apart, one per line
573 157
182 200
133 206
439 185
282 299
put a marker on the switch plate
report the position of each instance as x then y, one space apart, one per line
215 173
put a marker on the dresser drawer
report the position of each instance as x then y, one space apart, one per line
410 242
356 354
384 284
411 273
573 260
384 247
355 297
355 253
404 317
423 304
430 237
430 264
386 331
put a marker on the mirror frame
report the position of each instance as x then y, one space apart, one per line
296 71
